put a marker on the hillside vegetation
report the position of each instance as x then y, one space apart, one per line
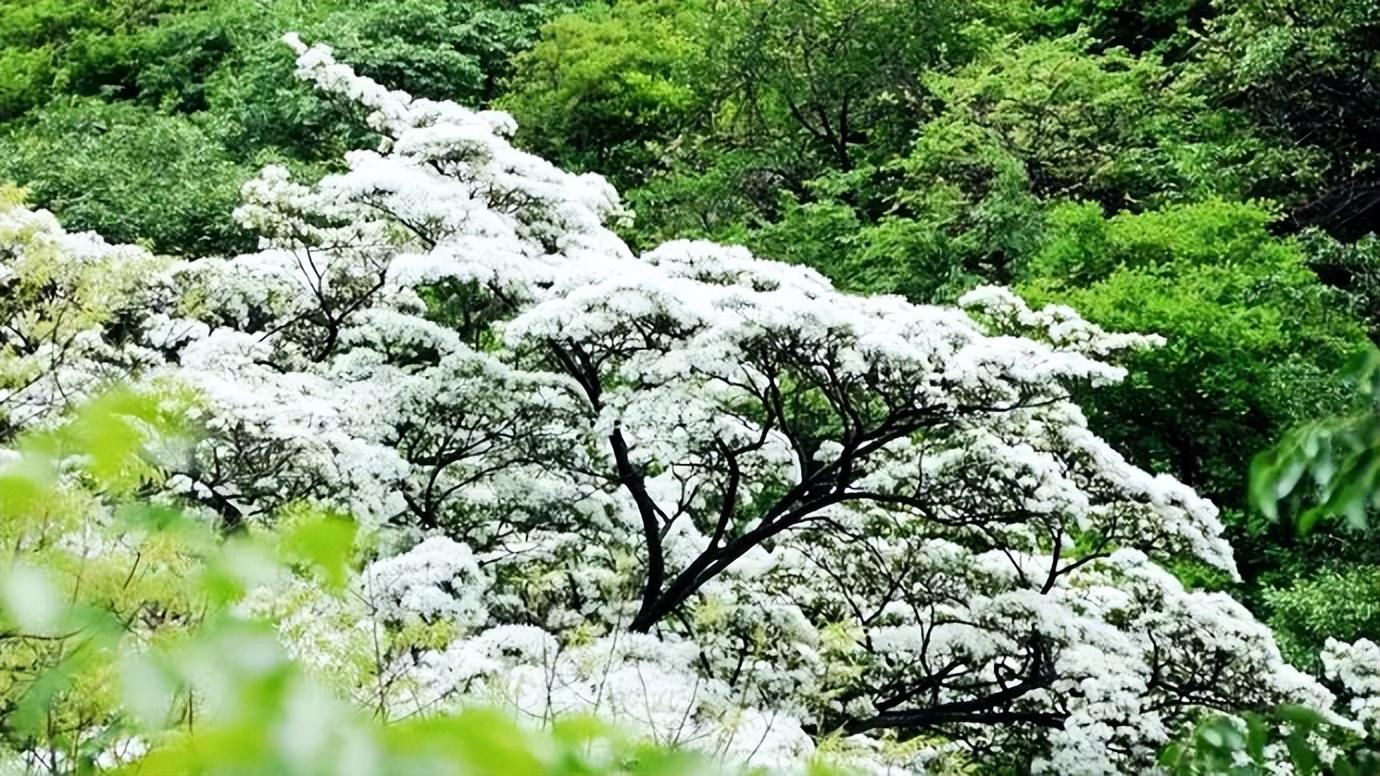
785 465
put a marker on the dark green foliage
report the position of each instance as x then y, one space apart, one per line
1138 25
1354 266
1307 72
1240 746
129 174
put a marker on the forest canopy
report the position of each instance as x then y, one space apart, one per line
849 385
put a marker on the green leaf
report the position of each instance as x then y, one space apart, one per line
1257 736
1173 754
1301 717
1301 754
325 541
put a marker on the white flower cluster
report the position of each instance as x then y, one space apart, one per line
1356 667
438 578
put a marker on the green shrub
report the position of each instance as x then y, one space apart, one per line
129 174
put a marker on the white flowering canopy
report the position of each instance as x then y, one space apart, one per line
702 493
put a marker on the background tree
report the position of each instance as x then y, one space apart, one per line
1306 74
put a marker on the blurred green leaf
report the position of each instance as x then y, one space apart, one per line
326 541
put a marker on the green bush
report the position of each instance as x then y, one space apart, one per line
129 174
1341 603
1253 341
601 87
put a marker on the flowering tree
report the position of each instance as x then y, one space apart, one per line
701 493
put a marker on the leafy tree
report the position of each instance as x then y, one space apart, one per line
844 77
1253 340
1104 126
1021 129
81 48
196 89
603 88
1306 72
723 106
131 174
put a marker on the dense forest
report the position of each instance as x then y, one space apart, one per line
879 386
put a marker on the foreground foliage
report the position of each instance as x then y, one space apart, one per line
921 147
127 647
